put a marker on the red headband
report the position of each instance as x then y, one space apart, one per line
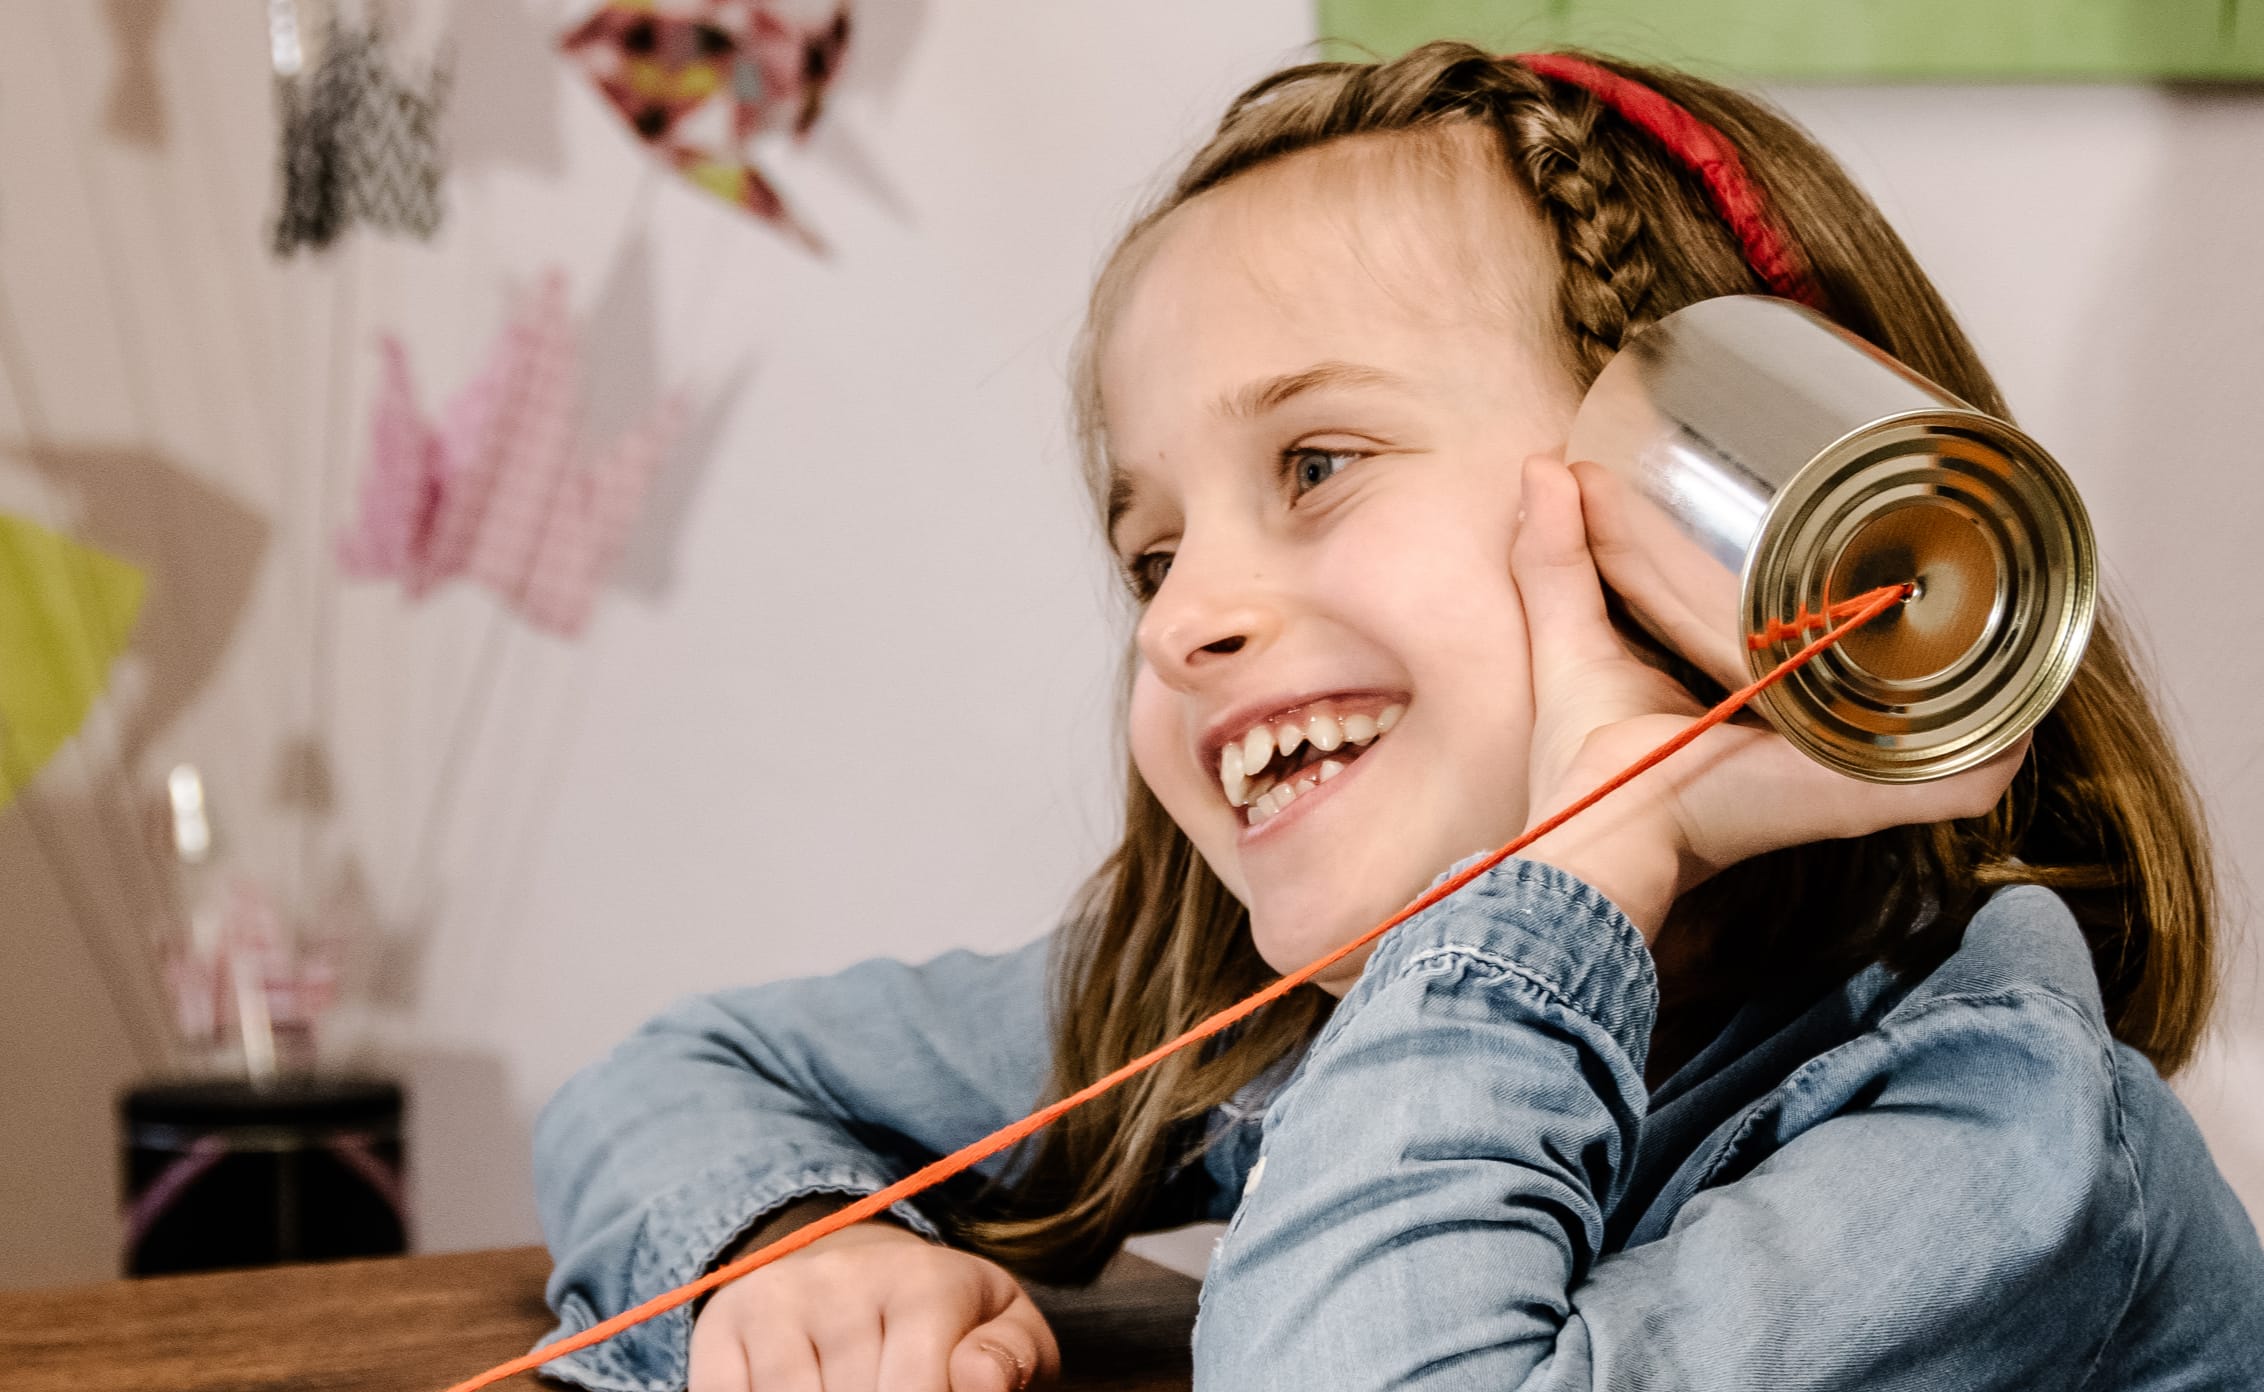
1706 153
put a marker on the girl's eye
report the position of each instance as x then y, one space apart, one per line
1146 573
1310 468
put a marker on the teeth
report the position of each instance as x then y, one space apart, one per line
1230 774
1276 798
1257 748
1242 762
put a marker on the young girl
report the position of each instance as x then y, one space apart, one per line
1753 1076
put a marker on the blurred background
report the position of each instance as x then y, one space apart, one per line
801 647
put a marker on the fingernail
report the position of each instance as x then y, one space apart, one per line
1017 1376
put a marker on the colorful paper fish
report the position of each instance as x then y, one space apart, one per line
66 611
700 79
492 491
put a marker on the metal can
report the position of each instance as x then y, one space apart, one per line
1775 464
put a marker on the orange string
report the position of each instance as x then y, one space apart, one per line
1780 631
1860 610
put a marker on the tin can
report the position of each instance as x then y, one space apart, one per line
1775 464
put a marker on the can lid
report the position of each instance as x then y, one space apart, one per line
1989 530
216 1102
1955 570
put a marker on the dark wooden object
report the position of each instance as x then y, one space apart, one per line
420 1324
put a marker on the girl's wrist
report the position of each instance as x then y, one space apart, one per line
800 1214
1640 883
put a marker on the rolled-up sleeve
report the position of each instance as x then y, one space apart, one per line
1945 1202
652 1161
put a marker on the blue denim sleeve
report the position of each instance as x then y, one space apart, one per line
652 1161
1428 1205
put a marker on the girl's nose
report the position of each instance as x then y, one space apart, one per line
1201 617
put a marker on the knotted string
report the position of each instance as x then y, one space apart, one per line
1864 608
1780 630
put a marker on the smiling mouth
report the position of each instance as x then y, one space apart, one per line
1281 760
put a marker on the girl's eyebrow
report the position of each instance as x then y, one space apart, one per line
1267 393
1123 492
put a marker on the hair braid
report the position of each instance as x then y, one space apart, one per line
1609 272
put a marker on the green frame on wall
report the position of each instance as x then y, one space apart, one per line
1844 40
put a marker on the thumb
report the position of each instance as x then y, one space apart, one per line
1012 1351
1569 628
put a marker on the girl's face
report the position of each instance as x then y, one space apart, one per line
1318 385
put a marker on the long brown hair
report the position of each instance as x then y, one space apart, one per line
2102 810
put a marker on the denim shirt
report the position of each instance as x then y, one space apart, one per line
1960 1181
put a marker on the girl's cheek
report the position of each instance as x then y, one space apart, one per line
1152 732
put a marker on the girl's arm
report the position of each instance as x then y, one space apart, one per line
650 1163
1948 1204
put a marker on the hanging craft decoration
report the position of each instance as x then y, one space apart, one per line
359 143
135 111
699 81
491 490
66 611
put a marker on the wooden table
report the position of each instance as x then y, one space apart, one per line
419 1324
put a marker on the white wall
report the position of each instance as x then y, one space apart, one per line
854 696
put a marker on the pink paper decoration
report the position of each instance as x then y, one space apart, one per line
493 491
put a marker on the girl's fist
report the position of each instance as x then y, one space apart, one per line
873 1308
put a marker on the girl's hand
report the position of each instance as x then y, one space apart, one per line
1740 789
873 1308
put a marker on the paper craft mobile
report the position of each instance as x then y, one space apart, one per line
698 81
491 490
66 611
135 111
358 142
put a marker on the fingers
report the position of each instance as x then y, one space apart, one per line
1978 789
1556 578
719 1363
752 1356
916 1345
848 1353
871 1320
1011 1352
1841 806
1675 589
784 1368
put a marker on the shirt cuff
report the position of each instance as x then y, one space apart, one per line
1542 924
684 1234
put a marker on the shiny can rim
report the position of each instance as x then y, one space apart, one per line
2000 481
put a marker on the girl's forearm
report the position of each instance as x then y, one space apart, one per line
1433 1184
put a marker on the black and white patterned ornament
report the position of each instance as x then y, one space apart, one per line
358 142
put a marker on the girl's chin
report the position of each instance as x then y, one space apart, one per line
1293 942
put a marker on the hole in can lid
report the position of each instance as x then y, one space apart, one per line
1950 560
